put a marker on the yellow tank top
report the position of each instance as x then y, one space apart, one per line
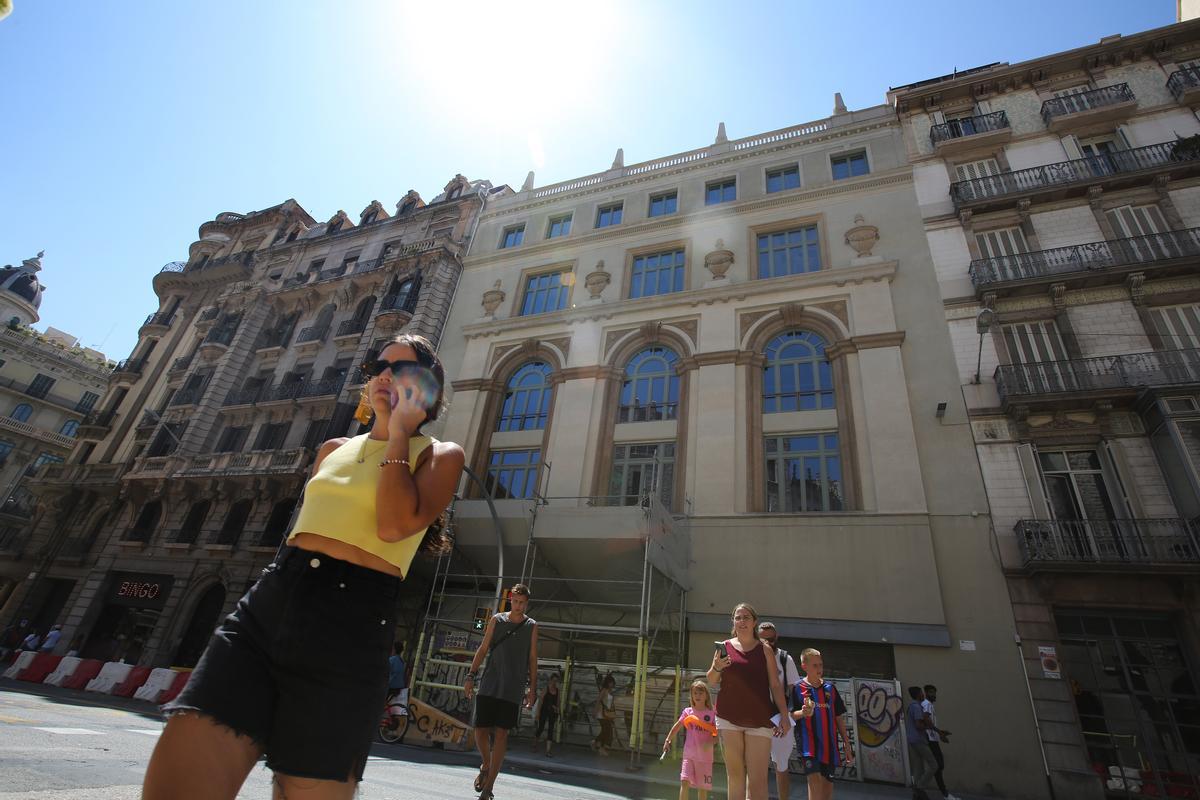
339 501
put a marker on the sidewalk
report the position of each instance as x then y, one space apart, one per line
567 759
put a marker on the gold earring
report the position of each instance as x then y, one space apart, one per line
364 411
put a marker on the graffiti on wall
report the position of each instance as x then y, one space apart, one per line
428 725
881 744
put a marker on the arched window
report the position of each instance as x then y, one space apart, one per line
69 427
193 522
235 522
363 312
650 391
146 523
277 523
22 412
797 376
527 399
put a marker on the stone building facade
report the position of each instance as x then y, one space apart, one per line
189 470
48 384
1061 202
748 337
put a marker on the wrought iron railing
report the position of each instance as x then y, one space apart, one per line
239 397
1066 173
314 333
160 318
1117 541
187 397
299 389
1133 251
1182 80
132 366
958 128
351 327
1133 370
174 266
401 301
271 338
1086 101
99 419
180 364
220 336
209 314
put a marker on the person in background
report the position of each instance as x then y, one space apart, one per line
606 714
920 757
936 736
31 641
51 640
781 746
547 714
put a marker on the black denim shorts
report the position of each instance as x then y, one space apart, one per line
301 665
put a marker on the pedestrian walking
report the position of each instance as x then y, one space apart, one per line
510 647
781 746
547 713
31 641
920 757
750 705
51 640
936 736
699 723
820 723
297 671
606 714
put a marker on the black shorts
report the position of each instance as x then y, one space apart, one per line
810 766
492 712
301 665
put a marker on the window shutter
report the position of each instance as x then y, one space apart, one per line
1001 242
1113 465
1071 148
1131 221
977 169
1027 456
1177 326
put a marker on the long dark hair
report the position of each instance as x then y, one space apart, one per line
437 540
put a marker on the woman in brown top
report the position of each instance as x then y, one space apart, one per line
745 711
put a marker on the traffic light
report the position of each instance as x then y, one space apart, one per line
481 617
505 600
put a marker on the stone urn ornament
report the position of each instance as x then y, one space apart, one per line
492 299
596 282
719 261
862 237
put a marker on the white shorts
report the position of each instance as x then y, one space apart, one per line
781 750
726 725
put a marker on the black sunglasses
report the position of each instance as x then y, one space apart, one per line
379 366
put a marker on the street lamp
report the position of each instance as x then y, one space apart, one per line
983 323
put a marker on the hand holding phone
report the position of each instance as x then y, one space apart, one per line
720 656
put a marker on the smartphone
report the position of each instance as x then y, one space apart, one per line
720 646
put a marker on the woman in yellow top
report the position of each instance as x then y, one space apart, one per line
299 670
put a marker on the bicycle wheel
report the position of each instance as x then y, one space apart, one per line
390 734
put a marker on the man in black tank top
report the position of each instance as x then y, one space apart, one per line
510 645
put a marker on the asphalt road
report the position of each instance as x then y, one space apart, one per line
62 745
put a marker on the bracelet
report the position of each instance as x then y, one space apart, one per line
387 461
472 676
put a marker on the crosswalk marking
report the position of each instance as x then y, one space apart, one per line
146 731
71 731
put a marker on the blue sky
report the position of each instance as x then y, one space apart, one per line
128 124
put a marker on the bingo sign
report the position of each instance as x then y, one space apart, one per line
139 590
881 741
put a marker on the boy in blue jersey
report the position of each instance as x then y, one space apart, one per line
818 719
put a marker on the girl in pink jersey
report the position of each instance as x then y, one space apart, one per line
700 721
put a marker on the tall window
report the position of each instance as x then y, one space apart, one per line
642 469
609 215
546 292
657 273
232 440
192 523
40 386
527 400
789 252
720 192
797 375
665 203
146 522
784 178
850 165
512 236
5 449
650 391
512 474
69 427
558 226
804 473
21 412
235 522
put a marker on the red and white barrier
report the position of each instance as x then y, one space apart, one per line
41 666
64 670
88 668
156 685
159 681
23 660
110 677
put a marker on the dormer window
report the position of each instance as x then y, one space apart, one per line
335 226
408 206
370 217
454 193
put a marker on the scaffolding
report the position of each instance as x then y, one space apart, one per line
609 582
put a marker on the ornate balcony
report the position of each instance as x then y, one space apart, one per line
960 135
302 390
128 370
1088 264
1053 383
158 323
350 329
216 342
1116 544
96 425
243 397
1118 169
1105 105
257 462
181 364
395 310
1185 85
311 338
187 397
